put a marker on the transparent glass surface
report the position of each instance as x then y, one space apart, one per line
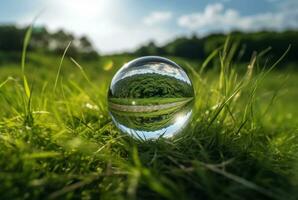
151 97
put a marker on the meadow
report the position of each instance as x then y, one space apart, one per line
151 85
57 140
147 101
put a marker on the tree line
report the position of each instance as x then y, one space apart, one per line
12 37
199 48
194 47
151 85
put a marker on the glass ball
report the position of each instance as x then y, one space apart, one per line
151 97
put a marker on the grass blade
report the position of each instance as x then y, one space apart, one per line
60 65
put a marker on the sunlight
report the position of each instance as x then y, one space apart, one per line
91 10
180 119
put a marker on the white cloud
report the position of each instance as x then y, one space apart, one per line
216 18
112 27
106 23
157 17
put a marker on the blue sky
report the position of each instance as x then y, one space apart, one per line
117 25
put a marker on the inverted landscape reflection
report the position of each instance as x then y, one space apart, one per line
151 97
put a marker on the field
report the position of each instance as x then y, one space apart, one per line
151 85
147 101
57 140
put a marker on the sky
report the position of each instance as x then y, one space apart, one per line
123 25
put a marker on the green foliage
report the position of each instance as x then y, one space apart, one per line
200 48
11 40
241 143
146 101
152 120
151 85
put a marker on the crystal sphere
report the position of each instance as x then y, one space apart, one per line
151 97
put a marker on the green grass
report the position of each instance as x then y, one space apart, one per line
147 101
57 140
183 104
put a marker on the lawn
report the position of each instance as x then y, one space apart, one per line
57 139
147 101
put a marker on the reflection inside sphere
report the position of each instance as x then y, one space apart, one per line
151 97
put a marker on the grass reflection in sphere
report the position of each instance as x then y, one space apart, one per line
151 97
